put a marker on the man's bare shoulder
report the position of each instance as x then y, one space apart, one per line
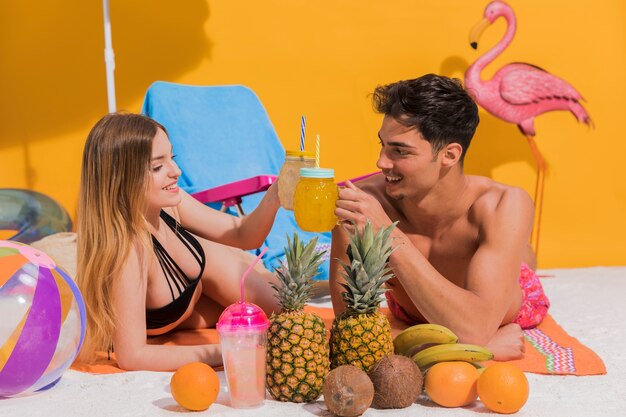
373 185
492 198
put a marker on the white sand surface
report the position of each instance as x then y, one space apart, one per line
588 303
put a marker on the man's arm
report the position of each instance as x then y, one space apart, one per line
340 242
351 200
475 312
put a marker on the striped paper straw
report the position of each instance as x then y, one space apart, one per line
317 151
302 132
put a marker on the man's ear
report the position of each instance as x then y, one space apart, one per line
451 154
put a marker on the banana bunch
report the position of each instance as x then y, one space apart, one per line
428 344
422 335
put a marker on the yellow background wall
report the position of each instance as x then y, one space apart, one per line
323 58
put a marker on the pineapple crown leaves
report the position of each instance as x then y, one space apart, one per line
295 275
367 271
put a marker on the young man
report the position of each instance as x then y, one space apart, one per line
462 255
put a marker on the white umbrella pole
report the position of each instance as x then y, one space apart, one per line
109 57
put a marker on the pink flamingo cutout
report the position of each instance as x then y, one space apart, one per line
518 93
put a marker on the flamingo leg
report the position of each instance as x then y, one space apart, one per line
538 198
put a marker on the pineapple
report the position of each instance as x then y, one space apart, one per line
297 353
361 335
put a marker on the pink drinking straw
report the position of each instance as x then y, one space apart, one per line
245 274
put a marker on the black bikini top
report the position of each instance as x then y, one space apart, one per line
181 286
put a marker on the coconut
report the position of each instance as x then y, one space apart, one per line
348 391
397 382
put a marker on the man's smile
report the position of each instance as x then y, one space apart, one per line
392 178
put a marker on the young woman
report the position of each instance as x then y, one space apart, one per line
151 258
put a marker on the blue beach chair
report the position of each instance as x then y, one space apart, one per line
229 153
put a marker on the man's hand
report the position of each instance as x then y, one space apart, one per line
355 206
508 343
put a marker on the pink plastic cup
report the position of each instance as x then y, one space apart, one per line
243 334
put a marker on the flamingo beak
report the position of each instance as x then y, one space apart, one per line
477 32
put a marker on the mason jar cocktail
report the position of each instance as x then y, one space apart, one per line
290 175
314 200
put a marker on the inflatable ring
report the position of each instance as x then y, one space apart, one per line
32 214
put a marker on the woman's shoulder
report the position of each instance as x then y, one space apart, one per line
140 256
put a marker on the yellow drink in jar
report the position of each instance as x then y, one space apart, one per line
290 175
314 200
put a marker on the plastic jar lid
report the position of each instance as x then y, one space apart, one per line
317 172
300 154
242 317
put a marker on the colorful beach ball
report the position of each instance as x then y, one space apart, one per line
42 320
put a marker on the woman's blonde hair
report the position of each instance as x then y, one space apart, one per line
111 207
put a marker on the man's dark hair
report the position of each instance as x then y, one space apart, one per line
437 106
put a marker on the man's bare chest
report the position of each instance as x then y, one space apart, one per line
449 253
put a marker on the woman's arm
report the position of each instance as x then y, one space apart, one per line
129 337
246 232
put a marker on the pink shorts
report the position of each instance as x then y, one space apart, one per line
534 308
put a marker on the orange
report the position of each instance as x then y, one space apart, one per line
195 386
451 384
503 388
